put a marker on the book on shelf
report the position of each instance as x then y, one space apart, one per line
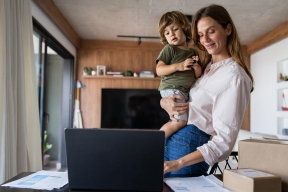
146 75
147 72
114 73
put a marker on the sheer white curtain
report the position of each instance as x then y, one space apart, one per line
20 141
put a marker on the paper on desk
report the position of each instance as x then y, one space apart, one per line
45 180
217 181
195 184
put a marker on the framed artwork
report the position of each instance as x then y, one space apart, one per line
101 70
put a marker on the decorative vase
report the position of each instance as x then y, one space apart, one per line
84 73
93 73
46 159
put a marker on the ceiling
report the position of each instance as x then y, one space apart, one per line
105 19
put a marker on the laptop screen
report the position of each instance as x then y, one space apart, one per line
115 159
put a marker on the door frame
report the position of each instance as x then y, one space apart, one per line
68 79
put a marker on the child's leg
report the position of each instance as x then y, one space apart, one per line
172 126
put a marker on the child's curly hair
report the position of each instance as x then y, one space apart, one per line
179 19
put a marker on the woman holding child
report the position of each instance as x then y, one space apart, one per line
217 100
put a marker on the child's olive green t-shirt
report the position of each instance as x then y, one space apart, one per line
181 80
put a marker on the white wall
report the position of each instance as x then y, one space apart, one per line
53 29
265 113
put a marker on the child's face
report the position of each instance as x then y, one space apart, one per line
175 35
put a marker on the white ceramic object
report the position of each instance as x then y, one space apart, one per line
93 73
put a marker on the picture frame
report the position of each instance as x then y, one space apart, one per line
101 70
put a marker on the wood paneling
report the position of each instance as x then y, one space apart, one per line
116 56
246 120
91 94
271 37
50 8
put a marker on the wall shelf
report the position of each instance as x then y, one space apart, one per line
282 68
282 97
124 77
282 85
282 124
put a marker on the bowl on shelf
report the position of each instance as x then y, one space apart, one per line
285 131
284 108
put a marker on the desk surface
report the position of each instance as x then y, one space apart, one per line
64 189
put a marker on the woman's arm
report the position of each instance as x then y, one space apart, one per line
190 159
173 108
228 113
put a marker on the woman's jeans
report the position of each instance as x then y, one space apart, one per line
185 141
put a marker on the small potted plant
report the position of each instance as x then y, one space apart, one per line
89 71
93 71
46 147
86 71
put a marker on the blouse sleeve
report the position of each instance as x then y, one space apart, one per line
227 116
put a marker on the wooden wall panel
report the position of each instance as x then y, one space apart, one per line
269 38
116 56
119 56
91 94
246 120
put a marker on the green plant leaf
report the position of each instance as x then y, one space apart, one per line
47 145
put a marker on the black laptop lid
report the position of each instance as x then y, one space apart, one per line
112 159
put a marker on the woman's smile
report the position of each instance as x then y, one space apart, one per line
210 46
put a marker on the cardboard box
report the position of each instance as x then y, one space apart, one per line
267 155
250 180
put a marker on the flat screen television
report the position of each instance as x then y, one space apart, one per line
132 108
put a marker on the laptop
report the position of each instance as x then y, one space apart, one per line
115 159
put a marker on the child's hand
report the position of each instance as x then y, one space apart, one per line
197 68
186 65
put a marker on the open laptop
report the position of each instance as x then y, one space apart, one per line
115 159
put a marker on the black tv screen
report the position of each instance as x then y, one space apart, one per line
132 108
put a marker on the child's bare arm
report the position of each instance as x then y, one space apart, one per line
162 69
197 68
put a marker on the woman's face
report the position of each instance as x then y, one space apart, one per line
213 37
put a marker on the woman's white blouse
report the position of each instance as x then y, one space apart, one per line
218 101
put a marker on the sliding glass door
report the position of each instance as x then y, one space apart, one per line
55 80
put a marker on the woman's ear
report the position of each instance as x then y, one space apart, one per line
229 29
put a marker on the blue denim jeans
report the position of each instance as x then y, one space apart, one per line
183 142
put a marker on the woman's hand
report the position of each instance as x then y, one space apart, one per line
173 108
171 166
190 159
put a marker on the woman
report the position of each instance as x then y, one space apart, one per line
217 100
